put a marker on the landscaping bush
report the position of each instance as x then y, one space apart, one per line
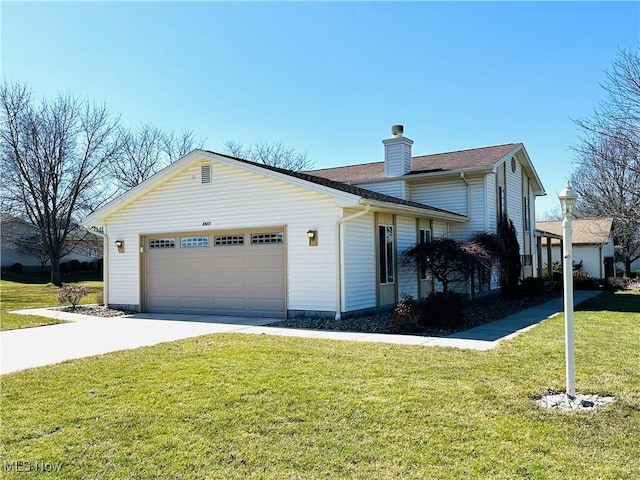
74 265
65 268
99 264
634 285
93 266
407 314
584 281
442 310
17 268
72 294
84 266
532 286
616 283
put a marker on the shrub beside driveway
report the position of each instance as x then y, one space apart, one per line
18 296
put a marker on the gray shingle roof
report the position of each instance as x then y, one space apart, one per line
343 187
463 159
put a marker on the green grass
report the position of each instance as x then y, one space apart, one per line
242 406
23 292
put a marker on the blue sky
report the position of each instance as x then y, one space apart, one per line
330 78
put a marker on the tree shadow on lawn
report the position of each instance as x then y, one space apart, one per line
612 302
42 278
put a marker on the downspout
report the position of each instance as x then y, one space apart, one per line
339 257
466 182
105 263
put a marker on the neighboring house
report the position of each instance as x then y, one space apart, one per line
216 234
592 244
20 244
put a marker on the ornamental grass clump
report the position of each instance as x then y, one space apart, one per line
72 294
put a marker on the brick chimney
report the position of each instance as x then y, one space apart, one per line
397 153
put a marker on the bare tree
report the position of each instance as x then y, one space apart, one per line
607 172
53 157
276 154
145 151
617 119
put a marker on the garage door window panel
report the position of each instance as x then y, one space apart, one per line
194 242
266 238
156 243
228 240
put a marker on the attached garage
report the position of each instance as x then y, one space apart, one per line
215 272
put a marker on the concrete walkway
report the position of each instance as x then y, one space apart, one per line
87 336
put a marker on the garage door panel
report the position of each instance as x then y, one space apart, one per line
193 262
220 282
194 302
226 260
163 301
265 261
215 278
266 304
238 304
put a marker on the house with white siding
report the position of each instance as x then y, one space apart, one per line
217 234
592 244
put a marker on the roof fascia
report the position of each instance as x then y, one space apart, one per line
538 189
387 207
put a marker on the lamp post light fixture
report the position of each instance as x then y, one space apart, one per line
568 199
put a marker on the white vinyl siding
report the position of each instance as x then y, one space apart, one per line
514 200
448 194
590 256
406 238
236 199
440 230
359 263
477 215
395 188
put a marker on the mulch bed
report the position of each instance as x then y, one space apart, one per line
478 312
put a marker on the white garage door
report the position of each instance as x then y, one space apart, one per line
225 273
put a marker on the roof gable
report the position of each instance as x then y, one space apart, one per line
586 231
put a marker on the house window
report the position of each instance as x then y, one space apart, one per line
205 174
162 243
385 253
266 238
224 240
425 237
502 201
526 214
527 260
194 242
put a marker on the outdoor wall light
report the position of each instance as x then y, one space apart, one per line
119 245
312 235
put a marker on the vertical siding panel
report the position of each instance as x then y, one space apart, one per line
359 262
395 188
446 194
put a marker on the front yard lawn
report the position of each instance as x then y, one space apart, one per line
18 296
244 406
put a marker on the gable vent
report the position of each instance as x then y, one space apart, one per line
205 174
